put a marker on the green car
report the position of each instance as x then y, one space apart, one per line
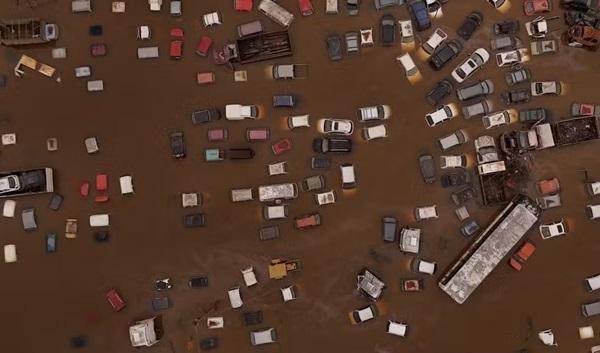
533 115
214 154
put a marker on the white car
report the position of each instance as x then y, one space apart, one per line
453 161
297 121
377 112
240 112
456 138
592 211
396 328
426 212
592 283
545 87
9 183
325 198
437 117
537 28
508 58
496 119
436 38
363 314
261 337
375 132
422 266
552 230
336 126
408 63
472 64
249 276
235 297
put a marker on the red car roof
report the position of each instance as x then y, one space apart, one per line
243 5
101 182
305 6
115 300
84 189
281 146
204 45
176 48
177 32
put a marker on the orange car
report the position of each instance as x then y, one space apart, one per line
516 261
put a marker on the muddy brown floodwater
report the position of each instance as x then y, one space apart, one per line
48 298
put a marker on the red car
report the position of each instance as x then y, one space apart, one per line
84 189
101 182
308 221
243 5
115 300
306 8
204 46
98 49
281 146
176 32
534 7
176 49
516 261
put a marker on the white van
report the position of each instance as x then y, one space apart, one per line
10 253
408 64
348 176
99 220
147 53
592 283
239 195
81 6
275 212
592 211
235 299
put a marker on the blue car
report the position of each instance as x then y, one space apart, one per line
420 14
50 242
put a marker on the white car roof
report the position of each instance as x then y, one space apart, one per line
235 298
9 208
396 328
426 266
366 314
99 220
299 120
593 282
377 131
10 253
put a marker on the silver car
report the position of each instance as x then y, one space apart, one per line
481 88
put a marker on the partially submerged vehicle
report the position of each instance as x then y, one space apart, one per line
369 284
279 268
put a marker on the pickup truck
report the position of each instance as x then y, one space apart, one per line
562 133
240 112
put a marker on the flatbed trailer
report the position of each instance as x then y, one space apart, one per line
33 181
263 46
25 31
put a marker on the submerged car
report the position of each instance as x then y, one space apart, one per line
9 183
478 89
517 76
427 168
455 179
453 161
387 30
366 313
437 117
496 119
326 145
506 27
534 7
516 96
441 90
436 38
533 115
374 113
420 14
554 229
444 53
454 139
334 47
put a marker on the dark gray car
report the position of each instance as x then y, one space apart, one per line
387 29
441 90
177 145
334 47
479 89
427 167
444 53
284 101
205 115
389 229
28 218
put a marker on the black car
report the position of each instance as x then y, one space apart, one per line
325 145
102 236
194 220
317 162
205 115
420 14
177 145
388 30
533 115
160 303
32 180
444 53
252 317
284 101
472 22
209 343
427 167
198 282
439 92
455 179
573 18
389 229
506 27
240 153
516 96
55 201
334 46
463 196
